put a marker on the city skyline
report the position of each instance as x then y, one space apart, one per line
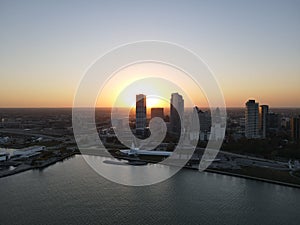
252 47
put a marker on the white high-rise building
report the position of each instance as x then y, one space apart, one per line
252 120
176 112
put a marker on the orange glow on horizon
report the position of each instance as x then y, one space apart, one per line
156 81
56 95
156 103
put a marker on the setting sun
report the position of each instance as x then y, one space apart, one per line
152 80
153 101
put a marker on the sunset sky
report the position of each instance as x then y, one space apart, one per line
252 47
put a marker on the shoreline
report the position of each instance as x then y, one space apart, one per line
26 167
250 177
253 178
226 173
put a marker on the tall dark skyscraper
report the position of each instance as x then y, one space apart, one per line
263 117
273 122
204 120
140 111
295 128
251 120
176 111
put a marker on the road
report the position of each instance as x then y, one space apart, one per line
25 133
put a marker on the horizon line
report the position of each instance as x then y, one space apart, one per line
105 107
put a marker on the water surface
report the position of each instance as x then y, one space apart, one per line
70 192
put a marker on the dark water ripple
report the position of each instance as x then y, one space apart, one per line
72 193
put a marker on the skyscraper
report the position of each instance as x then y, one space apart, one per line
263 117
251 120
295 128
176 112
140 114
274 120
204 120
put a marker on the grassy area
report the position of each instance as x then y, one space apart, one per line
265 173
268 148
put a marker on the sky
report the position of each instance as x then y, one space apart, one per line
252 47
153 80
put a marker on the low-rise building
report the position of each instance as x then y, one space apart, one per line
4 156
28 152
